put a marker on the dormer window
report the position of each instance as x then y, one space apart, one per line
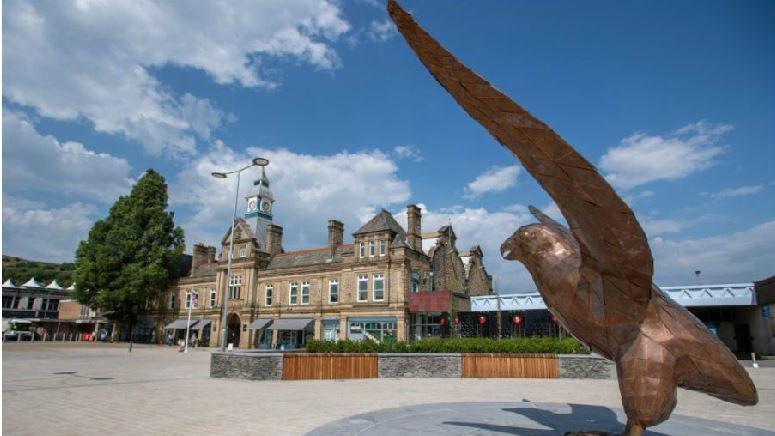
242 251
362 250
371 248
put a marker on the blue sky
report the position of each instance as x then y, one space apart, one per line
674 101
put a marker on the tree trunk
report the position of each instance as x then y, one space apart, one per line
131 333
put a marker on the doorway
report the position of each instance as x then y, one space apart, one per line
233 325
743 339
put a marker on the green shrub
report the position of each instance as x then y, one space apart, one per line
535 344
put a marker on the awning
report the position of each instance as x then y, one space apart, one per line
179 324
203 323
20 321
260 323
290 324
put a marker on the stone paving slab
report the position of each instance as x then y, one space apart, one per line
98 389
524 418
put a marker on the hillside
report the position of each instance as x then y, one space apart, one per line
20 270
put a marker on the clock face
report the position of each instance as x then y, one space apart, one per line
266 206
252 205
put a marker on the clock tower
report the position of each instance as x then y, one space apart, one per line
259 208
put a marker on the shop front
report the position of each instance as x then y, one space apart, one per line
380 328
293 333
263 335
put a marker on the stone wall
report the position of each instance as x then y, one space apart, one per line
249 366
586 366
419 365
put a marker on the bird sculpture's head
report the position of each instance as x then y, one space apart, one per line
534 244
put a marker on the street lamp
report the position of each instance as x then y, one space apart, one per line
261 162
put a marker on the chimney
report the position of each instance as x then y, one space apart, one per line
211 254
198 257
414 224
274 239
335 236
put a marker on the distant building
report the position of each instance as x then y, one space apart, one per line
46 311
383 285
739 314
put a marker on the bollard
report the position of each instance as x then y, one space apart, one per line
753 360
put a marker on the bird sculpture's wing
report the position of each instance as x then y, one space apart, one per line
611 240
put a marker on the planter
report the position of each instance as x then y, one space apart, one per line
311 366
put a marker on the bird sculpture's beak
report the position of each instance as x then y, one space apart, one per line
509 249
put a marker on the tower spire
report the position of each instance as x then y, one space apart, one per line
259 208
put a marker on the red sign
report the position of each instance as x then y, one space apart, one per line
442 321
482 319
438 301
457 320
517 320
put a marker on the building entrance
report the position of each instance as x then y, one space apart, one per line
233 325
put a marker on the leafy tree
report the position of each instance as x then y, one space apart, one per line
132 255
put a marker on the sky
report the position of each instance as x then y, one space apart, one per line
674 101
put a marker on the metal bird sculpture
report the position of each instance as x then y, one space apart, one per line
596 278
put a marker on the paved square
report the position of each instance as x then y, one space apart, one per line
76 389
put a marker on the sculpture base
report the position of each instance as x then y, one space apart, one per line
516 418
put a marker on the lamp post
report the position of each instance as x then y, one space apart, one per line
261 162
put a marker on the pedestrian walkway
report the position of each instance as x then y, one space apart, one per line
97 389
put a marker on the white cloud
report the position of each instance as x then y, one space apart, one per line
41 233
662 226
495 179
642 158
33 162
737 192
736 257
91 59
408 152
488 230
309 190
381 31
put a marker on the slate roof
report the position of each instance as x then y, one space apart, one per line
381 222
312 256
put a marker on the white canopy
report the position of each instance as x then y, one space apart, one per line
71 288
31 283
53 285
8 284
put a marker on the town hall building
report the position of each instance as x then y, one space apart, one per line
383 285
